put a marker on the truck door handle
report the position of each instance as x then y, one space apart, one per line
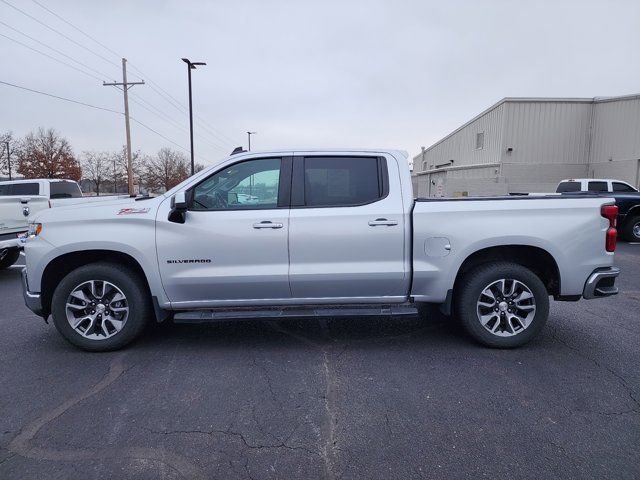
267 224
382 221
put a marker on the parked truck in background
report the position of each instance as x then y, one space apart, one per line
20 200
626 196
326 233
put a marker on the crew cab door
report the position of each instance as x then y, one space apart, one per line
347 229
232 248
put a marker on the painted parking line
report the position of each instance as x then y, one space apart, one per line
22 253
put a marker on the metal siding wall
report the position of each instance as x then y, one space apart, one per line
625 170
547 132
616 131
570 138
461 147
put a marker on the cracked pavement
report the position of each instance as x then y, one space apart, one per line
373 398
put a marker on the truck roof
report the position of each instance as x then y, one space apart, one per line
29 180
592 180
402 153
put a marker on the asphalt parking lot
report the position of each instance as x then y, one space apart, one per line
346 398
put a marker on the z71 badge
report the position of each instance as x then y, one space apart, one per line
133 211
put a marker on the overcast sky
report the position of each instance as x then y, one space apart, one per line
396 74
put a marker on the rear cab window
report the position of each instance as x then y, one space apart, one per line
18 189
598 187
341 181
64 190
568 187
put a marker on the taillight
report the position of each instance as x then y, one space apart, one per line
610 212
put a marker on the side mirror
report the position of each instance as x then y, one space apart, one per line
179 207
179 201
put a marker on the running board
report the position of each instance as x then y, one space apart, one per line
204 316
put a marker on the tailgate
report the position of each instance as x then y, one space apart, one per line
15 212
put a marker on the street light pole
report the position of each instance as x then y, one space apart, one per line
249 137
191 66
8 159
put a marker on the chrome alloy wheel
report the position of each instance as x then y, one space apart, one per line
506 307
636 230
97 309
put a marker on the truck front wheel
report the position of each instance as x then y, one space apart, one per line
502 305
100 307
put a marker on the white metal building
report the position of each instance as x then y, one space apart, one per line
530 144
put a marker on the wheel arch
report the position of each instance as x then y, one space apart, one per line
537 259
62 265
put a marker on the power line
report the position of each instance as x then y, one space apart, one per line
159 134
182 108
160 114
78 29
60 33
157 88
173 102
220 136
49 56
92 106
60 98
51 48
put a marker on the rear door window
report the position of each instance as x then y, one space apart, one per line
622 187
568 187
343 181
65 190
598 187
17 189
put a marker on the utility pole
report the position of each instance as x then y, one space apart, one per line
191 66
125 89
249 137
8 159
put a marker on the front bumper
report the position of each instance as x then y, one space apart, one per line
601 283
33 301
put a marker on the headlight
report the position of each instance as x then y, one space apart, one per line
34 230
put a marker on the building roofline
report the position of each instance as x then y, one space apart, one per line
532 100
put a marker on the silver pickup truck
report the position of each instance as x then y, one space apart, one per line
309 233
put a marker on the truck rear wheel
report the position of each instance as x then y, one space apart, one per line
502 305
8 258
631 231
100 307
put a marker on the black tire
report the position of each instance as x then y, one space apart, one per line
470 288
9 259
630 225
132 286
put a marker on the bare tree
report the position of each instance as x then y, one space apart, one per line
166 170
95 168
46 154
137 164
